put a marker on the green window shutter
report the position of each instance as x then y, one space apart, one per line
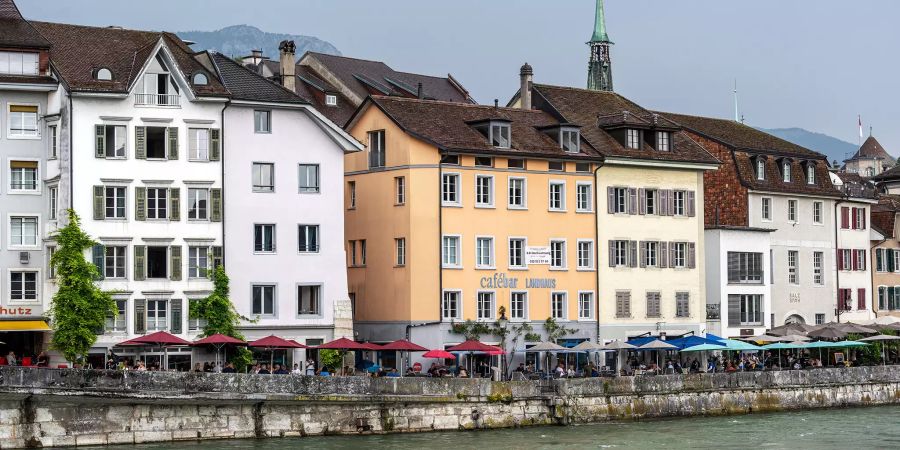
140 203
175 204
100 151
175 324
173 143
140 142
215 199
97 253
889 253
215 146
99 213
140 264
140 316
175 256
216 258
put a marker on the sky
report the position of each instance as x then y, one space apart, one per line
814 64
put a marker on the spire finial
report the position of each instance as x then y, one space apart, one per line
600 25
737 115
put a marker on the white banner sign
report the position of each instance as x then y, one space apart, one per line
537 255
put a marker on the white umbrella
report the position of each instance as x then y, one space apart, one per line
657 344
618 346
881 337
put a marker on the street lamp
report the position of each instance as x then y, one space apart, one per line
502 322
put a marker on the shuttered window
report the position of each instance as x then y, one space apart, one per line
653 305
745 268
623 304
745 310
682 304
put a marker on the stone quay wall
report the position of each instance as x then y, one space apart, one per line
59 407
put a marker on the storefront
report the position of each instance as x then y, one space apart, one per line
24 338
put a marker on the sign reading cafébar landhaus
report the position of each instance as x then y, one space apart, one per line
537 255
502 281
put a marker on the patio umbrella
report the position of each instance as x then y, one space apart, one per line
618 346
160 339
713 337
472 346
886 320
274 343
893 326
588 346
740 346
403 346
218 341
795 338
703 348
858 329
345 344
827 333
790 328
438 354
657 345
764 338
691 341
878 338
545 347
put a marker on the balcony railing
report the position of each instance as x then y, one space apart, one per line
157 99
713 312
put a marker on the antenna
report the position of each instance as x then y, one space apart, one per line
737 116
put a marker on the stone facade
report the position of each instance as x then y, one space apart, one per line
54 408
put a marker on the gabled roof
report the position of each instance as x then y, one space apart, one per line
884 214
891 174
449 126
77 51
311 86
244 84
15 31
872 149
592 109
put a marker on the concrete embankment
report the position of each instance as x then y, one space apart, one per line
49 407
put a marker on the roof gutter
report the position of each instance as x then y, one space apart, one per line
597 249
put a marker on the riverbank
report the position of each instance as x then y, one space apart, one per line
47 407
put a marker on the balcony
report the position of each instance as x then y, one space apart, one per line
713 312
165 100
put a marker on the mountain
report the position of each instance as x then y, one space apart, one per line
834 148
238 40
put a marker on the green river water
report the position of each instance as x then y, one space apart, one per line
855 428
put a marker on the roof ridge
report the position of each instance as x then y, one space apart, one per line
258 76
109 27
346 57
449 102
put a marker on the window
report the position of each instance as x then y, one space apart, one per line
157 262
400 190
23 176
679 203
585 254
585 305
557 196
264 238
515 163
860 260
198 204
155 142
376 149
619 250
195 324
558 306
820 319
557 254
262 121
198 262
114 202
792 267
484 161
500 135
650 254
51 270
400 251
811 173
663 143
452 160
484 190
308 175
583 197
114 262
263 300
633 139
23 122
485 307
516 253
362 252
745 268
263 177
651 201
53 194
23 286
556 166
352 252
620 200
23 231
516 198
682 304
104 74
760 169
518 305
53 144
450 306
859 222
749 309
679 254
157 315
766 203
308 300
583 167
198 144
623 304
18 63
157 203
654 304
200 79
484 253
792 211
351 194
450 189
817 213
451 257
330 100
786 171
118 323
569 140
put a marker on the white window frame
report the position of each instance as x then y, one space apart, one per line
457 191
32 63
459 304
524 241
53 202
811 174
37 126
314 189
351 194
380 145
117 128
500 127
319 298
492 256
110 262
260 187
156 319
330 100
663 141
793 257
590 303
765 204
196 212
274 239
399 190
565 306
590 255
624 253
793 205
624 200
818 210
524 194
37 231
512 315
458 254
38 174
589 201
652 250
679 251
633 139
479 202
53 140
196 151
399 252
679 203
760 169
264 127
159 206
564 256
318 243
786 172
262 302
195 269
119 322
570 139
562 195
491 308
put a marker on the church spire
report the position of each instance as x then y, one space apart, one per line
599 64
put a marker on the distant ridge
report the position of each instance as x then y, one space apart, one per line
238 40
832 147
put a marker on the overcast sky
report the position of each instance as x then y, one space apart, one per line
814 64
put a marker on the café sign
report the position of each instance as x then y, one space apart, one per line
503 281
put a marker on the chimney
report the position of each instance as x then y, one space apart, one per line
525 75
420 94
288 64
256 56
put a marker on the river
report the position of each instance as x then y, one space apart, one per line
856 428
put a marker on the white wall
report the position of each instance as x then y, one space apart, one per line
718 243
854 280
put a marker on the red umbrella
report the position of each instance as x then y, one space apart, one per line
473 346
219 339
402 345
160 338
274 342
439 354
346 344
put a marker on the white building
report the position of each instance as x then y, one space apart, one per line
854 271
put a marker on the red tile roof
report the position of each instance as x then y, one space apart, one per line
15 31
872 149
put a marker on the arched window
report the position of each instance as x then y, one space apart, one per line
200 79
104 74
794 318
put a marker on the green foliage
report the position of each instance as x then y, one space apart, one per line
555 331
470 329
79 308
220 316
332 359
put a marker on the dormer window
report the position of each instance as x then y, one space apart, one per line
103 74
633 139
811 173
330 100
786 171
760 169
499 134
200 79
663 141
569 139
18 63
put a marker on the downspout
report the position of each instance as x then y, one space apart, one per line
597 247
873 267
440 265
71 153
222 163
837 272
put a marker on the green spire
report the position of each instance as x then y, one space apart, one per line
600 25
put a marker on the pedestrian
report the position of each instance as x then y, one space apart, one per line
310 367
11 358
296 370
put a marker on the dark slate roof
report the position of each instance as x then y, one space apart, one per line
589 108
15 31
448 126
891 174
244 84
884 214
872 149
310 86
77 51
27 79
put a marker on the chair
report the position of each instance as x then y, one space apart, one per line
62 366
26 361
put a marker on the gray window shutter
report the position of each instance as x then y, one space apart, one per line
612 253
620 305
670 204
99 212
662 207
140 264
672 253
691 204
734 267
632 253
175 204
217 258
100 151
97 253
628 304
175 325
642 201
140 316
175 257
215 201
172 149
215 144
889 255
643 253
140 142
691 256
632 201
611 200
140 203
663 254
734 310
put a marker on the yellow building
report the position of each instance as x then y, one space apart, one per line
455 211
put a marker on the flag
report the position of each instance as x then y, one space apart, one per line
859 118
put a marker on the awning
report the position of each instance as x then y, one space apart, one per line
24 325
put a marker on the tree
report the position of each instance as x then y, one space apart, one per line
220 317
79 309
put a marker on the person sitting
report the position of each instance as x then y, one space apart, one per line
229 368
296 370
264 370
280 370
521 368
463 373
560 371
11 358
410 372
392 373
729 368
